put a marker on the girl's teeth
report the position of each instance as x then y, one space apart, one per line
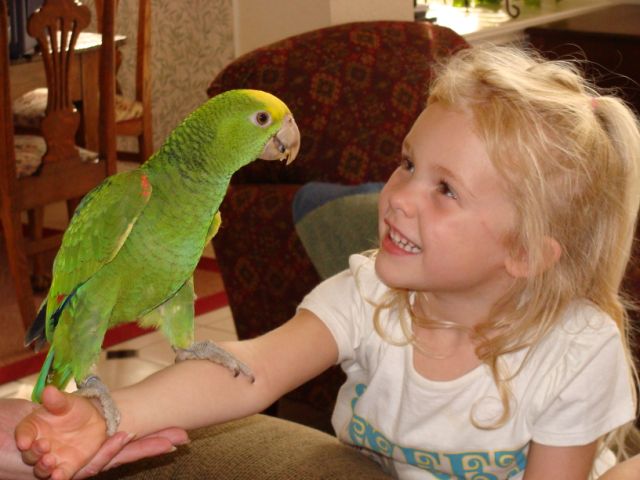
403 243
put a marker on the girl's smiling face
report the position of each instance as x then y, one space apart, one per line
443 214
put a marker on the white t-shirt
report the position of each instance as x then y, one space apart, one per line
574 388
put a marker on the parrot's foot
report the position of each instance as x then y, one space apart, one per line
93 387
207 350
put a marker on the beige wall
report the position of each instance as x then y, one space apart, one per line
260 22
192 40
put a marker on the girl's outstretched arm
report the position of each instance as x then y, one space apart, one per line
188 395
196 393
568 463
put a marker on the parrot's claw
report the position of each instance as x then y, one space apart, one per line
207 350
93 387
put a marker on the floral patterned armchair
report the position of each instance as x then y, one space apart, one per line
354 91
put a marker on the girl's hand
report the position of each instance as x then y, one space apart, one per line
119 450
11 465
61 437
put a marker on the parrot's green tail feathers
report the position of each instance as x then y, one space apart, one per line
36 395
48 377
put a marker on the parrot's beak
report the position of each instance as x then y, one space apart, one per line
285 144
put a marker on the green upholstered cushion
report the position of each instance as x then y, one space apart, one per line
255 448
339 228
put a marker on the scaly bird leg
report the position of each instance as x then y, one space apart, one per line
93 387
207 350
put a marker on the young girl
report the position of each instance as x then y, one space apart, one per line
487 337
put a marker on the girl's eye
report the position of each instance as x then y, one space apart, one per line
407 164
445 189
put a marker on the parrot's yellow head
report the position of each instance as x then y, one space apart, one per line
237 127
231 130
285 142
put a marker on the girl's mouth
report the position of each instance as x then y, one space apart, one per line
403 243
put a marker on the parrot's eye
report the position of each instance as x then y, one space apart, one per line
261 119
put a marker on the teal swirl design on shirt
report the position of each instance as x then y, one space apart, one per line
478 465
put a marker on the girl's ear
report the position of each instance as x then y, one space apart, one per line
518 266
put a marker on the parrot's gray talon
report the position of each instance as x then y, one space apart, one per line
93 387
208 350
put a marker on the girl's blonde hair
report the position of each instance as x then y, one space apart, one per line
570 158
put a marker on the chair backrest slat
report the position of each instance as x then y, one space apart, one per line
56 27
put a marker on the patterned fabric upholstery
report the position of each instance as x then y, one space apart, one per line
355 91
29 152
126 109
29 109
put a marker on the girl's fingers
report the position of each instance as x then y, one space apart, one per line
110 449
63 471
41 446
177 436
56 401
59 474
158 443
29 457
45 466
120 449
143 448
25 434
34 454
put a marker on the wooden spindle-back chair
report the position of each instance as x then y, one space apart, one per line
133 115
66 173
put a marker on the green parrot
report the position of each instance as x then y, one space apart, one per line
132 246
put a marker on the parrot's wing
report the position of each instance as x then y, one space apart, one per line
98 229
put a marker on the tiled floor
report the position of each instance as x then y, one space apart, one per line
135 359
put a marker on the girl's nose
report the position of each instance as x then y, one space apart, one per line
402 199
